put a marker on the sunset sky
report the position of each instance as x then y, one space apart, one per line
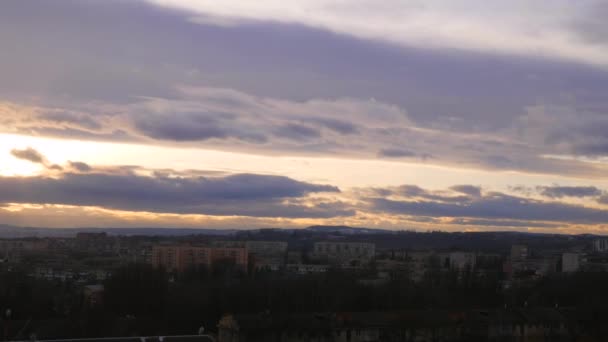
430 115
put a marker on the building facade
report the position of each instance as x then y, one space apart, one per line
182 258
345 253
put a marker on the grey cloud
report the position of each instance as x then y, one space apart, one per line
603 199
569 191
591 26
241 194
29 154
395 153
179 127
35 157
494 206
55 167
73 133
413 191
336 125
452 96
78 120
467 189
593 149
80 166
295 131
503 223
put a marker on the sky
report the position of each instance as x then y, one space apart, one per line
460 115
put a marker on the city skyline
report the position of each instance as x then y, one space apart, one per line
467 116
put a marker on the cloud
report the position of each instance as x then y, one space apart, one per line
336 125
409 191
74 119
229 120
560 29
493 205
239 194
395 153
30 155
80 166
569 191
295 131
467 189
35 157
503 223
275 86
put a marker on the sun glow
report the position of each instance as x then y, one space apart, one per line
12 166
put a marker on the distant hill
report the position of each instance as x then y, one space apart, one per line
348 230
7 231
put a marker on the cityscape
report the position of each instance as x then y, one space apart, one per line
319 283
303 170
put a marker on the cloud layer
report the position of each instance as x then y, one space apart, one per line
482 206
516 89
560 29
239 194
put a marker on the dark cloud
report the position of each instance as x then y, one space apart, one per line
592 26
414 191
80 166
198 126
294 131
411 191
395 153
78 120
467 189
592 149
603 199
338 126
75 133
179 127
494 206
503 223
437 91
498 162
36 157
29 154
241 194
55 167
568 191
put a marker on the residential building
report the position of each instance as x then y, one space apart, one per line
519 252
462 260
571 262
344 253
181 258
600 245
267 254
